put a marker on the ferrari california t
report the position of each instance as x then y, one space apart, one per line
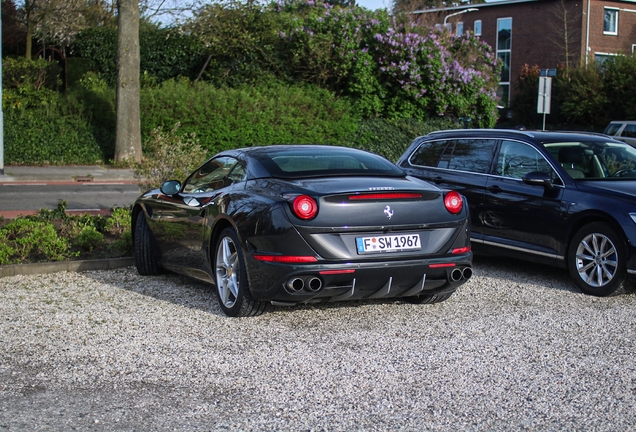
294 224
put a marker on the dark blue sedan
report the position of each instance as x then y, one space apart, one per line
565 199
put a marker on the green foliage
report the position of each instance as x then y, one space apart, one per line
228 118
27 240
390 138
34 74
54 235
165 53
43 127
119 221
168 156
582 97
619 82
88 238
584 87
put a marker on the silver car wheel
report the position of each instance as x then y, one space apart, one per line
596 260
227 272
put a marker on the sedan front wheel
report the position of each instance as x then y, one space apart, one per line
596 259
231 278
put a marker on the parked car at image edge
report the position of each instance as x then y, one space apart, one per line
564 199
302 224
622 130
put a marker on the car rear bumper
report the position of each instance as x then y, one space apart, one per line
308 283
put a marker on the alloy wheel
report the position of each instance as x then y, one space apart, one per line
227 272
596 260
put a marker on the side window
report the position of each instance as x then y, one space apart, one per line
472 155
428 154
237 174
612 128
629 131
517 159
210 176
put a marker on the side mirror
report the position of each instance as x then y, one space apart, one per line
537 178
171 187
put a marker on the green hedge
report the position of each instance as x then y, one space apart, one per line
247 116
79 128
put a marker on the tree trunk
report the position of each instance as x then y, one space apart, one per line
128 129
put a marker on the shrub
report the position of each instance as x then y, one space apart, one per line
168 156
390 138
119 221
30 240
228 118
88 238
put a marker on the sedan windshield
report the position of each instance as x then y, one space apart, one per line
326 161
595 159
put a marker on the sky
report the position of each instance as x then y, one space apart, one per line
374 4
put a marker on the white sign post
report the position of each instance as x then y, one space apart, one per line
545 91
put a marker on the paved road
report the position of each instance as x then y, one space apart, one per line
79 196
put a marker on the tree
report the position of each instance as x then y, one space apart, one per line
128 128
565 33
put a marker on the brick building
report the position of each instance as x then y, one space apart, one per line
546 33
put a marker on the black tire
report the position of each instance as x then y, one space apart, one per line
597 259
429 298
146 250
232 286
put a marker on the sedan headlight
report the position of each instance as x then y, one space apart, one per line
633 216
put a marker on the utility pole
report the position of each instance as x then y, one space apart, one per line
1 112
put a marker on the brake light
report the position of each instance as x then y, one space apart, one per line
383 196
285 258
453 202
461 250
305 207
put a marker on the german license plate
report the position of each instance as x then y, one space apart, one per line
388 243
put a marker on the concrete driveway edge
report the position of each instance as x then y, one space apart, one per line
70 266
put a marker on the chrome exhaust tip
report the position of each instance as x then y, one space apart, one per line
455 275
314 284
295 284
467 273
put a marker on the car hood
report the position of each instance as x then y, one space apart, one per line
623 188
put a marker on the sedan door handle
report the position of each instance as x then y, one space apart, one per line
494 188
438 179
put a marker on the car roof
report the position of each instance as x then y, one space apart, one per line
527 135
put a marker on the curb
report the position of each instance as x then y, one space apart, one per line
69 266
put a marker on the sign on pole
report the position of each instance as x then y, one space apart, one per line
545 92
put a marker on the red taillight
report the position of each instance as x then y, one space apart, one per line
336 272
461 250
285 258
453 202
442 265
305 207
384 196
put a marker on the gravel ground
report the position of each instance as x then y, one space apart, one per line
516 348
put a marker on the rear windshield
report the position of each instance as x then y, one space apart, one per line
324 162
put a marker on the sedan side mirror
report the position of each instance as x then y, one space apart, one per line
171 187
537 178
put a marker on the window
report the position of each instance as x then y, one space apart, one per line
477 28
210 176
459 28
472 155
504 51
610 21
629 131
599 58
517 159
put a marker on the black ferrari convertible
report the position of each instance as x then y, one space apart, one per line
305 223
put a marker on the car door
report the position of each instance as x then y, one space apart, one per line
521 216
182 220
460 164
